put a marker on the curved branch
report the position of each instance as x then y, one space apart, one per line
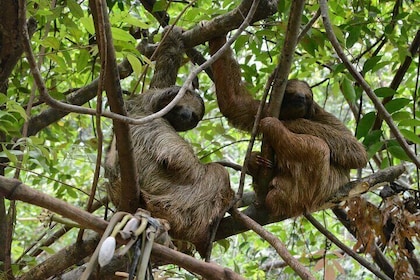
222 24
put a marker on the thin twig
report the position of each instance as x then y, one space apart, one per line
308 26
254 134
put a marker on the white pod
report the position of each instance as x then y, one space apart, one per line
107 251
130 227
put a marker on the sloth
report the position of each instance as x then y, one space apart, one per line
314 151
176 186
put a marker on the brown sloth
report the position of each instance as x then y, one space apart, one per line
176 186
314 151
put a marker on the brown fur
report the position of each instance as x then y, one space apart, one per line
174 183
314 150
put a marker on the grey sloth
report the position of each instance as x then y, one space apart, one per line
176 186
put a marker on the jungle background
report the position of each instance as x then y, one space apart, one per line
60 153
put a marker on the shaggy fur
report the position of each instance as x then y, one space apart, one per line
174 183
314 150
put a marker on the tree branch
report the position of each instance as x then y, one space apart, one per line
62 260
130 192
280 248
13 189
222 24
346 249
229 226
207 270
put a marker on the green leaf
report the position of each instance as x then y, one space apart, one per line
51 42
374 148
365 124
82 60
398 152
224 243
135 64
372 137
396 104
137 22
71 192
410 135
401 115
15 107
87 23
3 98
347 89
338 33
160 5
381 65
48 250
11 154
122 35
370 63
75 8
409 122
309 45
384 92
59 60
354 34
240 42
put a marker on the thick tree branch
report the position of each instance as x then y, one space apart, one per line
207 270
13 189
62 260
222 24
130 192
229 226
